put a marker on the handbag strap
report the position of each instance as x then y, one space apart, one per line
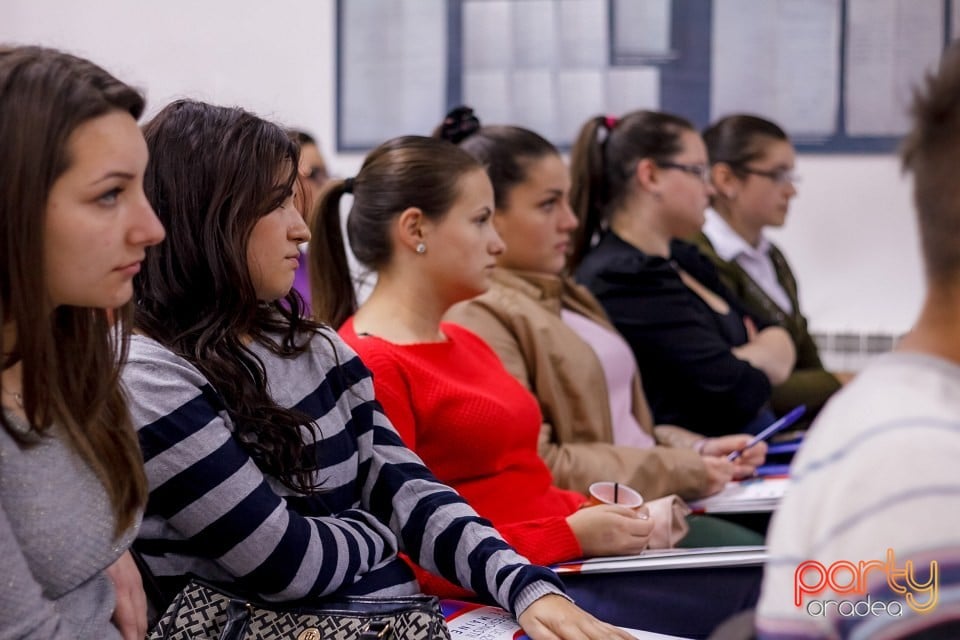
238 615
378 630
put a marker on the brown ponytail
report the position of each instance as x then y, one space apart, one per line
331 287
409 171
587 193
604 159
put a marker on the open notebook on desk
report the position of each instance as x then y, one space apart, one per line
754 495
660 559
480 622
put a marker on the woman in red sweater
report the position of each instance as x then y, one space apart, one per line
421 218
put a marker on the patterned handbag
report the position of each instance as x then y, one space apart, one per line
203 611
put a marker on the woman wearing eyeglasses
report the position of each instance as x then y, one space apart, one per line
752 170
640 184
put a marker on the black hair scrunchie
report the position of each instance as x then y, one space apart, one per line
459 124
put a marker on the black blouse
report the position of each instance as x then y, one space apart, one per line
681 344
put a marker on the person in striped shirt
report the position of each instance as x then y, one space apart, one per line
865 543
271 466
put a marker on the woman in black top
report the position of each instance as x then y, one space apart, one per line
639 184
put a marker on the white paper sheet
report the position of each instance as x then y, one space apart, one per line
642 29
535 37
632 88
488 92
890 44
487 34
780 59
394 68
584 34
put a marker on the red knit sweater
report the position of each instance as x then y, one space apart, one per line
476 428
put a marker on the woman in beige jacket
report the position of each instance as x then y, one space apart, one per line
553 336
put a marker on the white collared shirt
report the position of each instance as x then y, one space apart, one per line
754 260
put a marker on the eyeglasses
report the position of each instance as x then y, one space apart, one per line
782 177
701 171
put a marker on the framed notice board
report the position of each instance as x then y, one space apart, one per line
836 74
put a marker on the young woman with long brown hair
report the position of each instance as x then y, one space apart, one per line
270 463
74 224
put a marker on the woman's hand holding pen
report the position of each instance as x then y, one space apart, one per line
748 461
725 445
719 473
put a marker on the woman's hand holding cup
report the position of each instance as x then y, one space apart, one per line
613 493
608 528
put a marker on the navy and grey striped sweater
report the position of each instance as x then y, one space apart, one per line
213 513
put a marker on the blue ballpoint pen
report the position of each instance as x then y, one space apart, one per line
777 425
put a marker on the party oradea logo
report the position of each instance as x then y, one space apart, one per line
813 584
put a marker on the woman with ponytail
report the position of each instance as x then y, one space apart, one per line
640 184
422 218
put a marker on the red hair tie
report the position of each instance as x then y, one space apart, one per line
610 122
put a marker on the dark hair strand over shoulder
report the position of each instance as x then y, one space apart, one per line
195 294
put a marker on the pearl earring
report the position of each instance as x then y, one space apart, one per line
421 248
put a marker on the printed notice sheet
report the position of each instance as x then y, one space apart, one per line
468 621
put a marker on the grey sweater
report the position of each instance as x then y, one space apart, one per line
56 538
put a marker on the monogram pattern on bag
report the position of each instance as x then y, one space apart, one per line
195 613
200 612
411 625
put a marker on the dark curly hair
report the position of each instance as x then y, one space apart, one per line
213 173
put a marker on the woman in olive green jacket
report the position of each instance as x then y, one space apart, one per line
752 163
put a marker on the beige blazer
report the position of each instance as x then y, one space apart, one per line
519 317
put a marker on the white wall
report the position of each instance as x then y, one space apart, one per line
852 240
850 236
274 58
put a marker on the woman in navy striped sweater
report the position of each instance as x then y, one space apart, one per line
271 466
